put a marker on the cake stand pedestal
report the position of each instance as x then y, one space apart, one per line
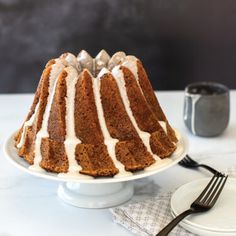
94 195
96 192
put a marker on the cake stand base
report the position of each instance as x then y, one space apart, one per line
95 195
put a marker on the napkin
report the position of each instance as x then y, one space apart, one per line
149 210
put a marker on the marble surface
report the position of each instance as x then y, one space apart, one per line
30 206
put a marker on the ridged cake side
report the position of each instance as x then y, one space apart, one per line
97 117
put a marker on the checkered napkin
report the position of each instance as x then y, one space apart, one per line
149 210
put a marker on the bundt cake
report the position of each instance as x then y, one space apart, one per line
95 116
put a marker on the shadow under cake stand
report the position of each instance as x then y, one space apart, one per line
96 192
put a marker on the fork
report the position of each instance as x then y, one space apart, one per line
204 202
188 162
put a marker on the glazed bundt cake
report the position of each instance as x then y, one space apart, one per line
97 117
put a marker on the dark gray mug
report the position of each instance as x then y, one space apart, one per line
206 108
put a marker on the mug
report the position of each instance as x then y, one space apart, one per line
206 108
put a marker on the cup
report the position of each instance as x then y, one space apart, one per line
206 108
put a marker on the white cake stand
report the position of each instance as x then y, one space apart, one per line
96 192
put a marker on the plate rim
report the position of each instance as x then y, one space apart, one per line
192 224
201 231
9 148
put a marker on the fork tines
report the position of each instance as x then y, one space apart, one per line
203 203
212 191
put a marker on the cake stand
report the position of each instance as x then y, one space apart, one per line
96 192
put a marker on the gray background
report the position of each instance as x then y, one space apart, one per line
179 41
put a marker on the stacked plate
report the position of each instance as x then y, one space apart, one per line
219 221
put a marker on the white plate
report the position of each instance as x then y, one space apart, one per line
219 221
12 156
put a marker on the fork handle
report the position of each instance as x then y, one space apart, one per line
209 168
165 231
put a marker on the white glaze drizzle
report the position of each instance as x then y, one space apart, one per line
194 100
72 61
86 61
108 140
130 62
101 61
57 68
103 57
71 140
163 125
94 68
116 59
144 136
27 123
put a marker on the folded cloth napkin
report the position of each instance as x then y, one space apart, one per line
149 216
149 210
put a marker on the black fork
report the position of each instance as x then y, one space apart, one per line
204 202
188 162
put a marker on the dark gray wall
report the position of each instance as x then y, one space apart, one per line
179 41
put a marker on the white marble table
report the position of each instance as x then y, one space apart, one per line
29 206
